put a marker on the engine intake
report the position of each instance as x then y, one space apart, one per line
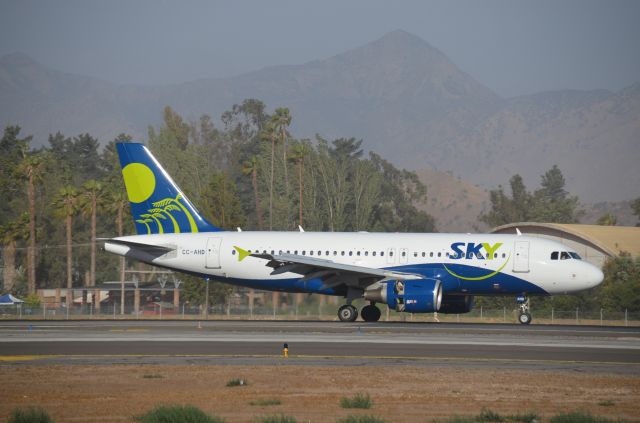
456 304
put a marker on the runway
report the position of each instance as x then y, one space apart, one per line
581 348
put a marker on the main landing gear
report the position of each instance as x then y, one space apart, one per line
524 317
369 313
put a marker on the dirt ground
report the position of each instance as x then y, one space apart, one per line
115 393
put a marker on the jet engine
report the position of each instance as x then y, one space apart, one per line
456 304
413 296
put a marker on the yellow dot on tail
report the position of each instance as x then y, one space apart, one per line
139 181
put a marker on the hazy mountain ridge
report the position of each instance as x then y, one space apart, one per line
405 98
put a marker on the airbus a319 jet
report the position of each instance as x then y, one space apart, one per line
409 272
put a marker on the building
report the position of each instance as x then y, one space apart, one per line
593 242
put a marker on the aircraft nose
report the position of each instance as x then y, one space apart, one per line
594 276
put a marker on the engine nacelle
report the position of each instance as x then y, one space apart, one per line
414 296
456 304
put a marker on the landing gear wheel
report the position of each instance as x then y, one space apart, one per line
370 313
524 318
347 313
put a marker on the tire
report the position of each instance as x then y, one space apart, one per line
347 313
370 313
524 318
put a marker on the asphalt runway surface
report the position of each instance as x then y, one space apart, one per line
578 348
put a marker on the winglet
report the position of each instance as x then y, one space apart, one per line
242 254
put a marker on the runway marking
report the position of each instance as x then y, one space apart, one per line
10 358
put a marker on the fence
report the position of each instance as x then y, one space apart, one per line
167 311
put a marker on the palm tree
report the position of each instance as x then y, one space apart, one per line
167 212
281 120
66 205
298 154
118 202
92 197
250 167
269 134
145 222
32 168
10 233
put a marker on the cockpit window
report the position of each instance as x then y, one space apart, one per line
564 255
554 255
575 256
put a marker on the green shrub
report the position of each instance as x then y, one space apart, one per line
237 382
275 419
606 403
458 419
581 417
177 414
487 415
266 402
361 419
29 415
152 376
357 401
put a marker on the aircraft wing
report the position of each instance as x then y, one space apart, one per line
331 273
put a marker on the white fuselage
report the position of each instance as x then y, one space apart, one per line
475 264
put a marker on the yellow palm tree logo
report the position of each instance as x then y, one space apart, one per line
145 222
171 204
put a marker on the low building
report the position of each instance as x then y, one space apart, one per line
593 242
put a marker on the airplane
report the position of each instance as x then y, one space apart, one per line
409 272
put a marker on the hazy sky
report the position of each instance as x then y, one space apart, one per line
513 47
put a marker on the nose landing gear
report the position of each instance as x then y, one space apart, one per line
524 317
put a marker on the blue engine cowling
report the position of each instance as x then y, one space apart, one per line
414 296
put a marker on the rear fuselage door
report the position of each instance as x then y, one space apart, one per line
521 257
213 253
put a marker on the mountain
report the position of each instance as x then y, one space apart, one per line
404 97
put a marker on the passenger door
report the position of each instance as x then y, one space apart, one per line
521 257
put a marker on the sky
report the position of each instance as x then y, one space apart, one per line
513 47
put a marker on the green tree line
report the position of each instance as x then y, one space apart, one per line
251 173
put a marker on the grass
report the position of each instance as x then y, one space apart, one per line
357 401
582 417
29 415
606 403
489 416
237 382
266 402
152 376
361 419
275 419
177 414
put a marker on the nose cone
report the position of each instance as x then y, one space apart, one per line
594 276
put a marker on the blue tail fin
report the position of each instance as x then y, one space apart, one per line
157 203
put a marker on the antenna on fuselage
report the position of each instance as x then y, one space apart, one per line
518 232
300 227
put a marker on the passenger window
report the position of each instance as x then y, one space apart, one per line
342 253
233 252
373 253
357 253
327 253
439 254
350 253
564 255
404 254
391 253
495 255
310 252
431 254
554 255
382 253
447 254
504 255
366 253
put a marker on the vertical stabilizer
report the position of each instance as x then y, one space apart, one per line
158 205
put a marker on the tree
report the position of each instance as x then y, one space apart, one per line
250 167
508 210
635 206
281 121
32 168
298 155
607 219
269 134
10 233
66 204
117 203
621 285
92 197
552 203
222 202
